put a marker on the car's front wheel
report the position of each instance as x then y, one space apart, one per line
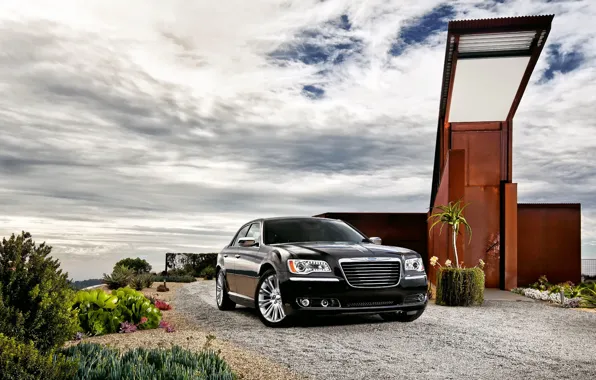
268 301
221 293
401 317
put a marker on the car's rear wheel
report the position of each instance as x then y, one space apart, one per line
268 301
401 317
221 293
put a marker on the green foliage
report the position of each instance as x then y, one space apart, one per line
208 273
22 361
451 214
460 286
78 285
189 264
121 276
103 363
174 279
133 306
101 313
541 284
142 281
137 265
35 296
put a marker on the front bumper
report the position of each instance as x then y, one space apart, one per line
410 294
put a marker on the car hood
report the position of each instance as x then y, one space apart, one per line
343 249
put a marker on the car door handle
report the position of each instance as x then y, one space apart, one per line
237 256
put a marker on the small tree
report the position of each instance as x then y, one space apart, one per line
451 214
35 296
138 265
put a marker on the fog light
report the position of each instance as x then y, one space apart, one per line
324 303
420 297
304 302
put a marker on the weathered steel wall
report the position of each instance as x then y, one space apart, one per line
549 242
485 166
400 229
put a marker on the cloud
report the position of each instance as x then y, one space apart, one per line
147 127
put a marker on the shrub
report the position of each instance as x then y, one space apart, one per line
120 277
141 281
460 286
35 296
174 279
97 362
208 273
134 307
137 265
22 361
102 313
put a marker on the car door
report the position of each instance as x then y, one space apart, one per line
231 259
248 263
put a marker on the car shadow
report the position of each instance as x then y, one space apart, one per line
318 320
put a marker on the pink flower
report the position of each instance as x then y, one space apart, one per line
143 320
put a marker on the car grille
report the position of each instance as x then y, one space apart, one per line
371 274
370 304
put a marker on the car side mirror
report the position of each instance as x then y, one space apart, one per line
375 240
247 242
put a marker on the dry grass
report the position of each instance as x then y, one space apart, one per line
189 335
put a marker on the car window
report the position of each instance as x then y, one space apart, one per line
255 231
304 230
241 234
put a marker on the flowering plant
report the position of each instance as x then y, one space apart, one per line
162 305
435 261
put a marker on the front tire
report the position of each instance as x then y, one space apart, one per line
268 301
221 293
401 317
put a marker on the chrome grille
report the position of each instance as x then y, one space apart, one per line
365 273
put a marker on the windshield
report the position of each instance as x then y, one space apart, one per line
304 230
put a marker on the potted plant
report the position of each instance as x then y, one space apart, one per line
456 286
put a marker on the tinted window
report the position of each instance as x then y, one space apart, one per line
254 231
242 233
302 230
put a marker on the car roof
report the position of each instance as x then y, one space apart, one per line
288 218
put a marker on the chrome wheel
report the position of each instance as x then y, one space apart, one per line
270 302
219 288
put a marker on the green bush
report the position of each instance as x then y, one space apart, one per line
21 361
102 313
102 363
174 279
141 281
121 277
35 296
460 286
208 273
137 265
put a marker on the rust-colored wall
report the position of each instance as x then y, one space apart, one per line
549 242
399 229
484 150
509 236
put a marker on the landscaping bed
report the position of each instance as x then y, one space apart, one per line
568 295
191 336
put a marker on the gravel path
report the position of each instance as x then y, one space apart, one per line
501 339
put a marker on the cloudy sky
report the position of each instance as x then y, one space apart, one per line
142 127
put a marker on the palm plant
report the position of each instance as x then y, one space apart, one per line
451 214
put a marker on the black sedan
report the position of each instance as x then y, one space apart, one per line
285 267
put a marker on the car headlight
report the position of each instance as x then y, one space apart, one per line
308 266
414 265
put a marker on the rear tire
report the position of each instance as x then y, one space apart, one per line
401 317
221 293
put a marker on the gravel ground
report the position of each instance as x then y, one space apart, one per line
501 339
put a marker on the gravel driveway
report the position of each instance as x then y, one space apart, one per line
501 339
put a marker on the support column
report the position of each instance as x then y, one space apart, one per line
508 236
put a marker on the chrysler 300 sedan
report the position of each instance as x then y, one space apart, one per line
286 267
